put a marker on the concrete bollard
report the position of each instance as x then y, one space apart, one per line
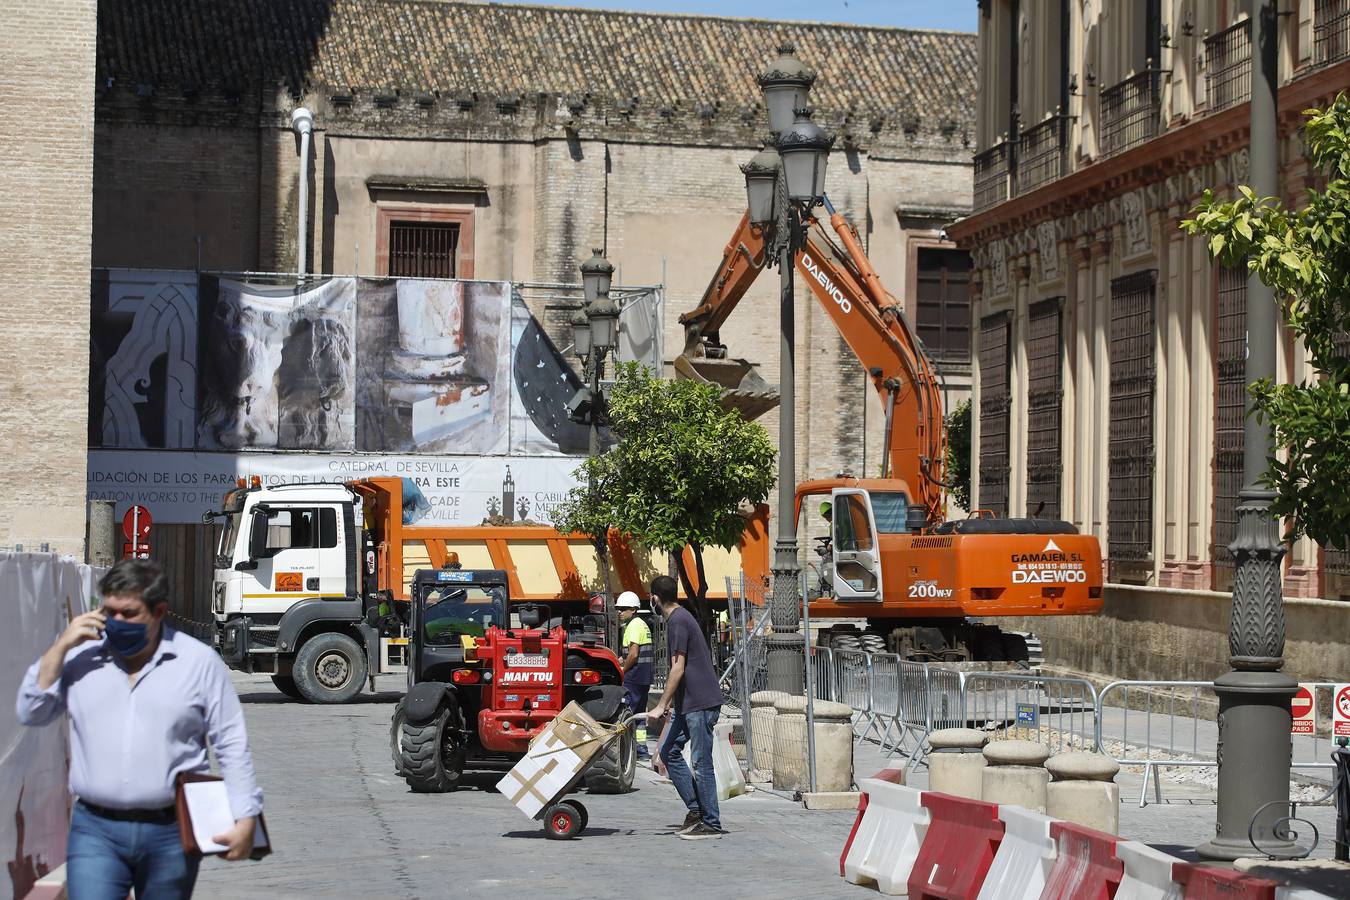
1015 774
834 746
955 761
1083 790
789 745
760 739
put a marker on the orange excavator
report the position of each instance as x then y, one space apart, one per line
889 557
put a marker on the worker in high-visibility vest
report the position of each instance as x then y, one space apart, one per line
637 664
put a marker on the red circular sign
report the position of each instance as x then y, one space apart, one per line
136 523
1302 703
1343 703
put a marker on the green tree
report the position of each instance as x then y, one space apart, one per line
679 475
958 453
1304 255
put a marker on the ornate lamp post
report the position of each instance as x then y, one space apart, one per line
1254 717
595 331
782 183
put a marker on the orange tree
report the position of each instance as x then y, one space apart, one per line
680 474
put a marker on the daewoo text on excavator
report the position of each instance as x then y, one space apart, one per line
890 557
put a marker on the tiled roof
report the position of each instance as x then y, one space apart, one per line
459 48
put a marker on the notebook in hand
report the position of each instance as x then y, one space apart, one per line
204 811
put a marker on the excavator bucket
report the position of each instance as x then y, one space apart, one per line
742 389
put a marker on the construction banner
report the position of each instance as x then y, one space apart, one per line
178 487
195 361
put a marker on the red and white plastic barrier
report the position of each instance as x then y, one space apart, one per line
958 849
1086 865
1148 873
1024 858
932 845
1205 883
892 824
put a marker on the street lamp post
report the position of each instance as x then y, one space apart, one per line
594 334
1254 747
782 183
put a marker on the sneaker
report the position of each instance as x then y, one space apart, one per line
690 820
701 832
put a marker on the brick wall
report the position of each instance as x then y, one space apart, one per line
46 161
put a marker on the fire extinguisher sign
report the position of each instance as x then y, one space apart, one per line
1340 711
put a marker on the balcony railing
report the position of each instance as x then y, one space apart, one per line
1041 153
1331 31
992 170
1131 111
1228 64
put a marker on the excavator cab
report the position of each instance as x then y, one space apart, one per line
855 563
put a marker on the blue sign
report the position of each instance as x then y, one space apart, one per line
443 575
1028 714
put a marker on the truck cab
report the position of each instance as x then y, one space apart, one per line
287 598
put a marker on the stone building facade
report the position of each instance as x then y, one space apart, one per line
47 53
534 134
1109 380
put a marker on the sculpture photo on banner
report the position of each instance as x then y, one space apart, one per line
180 360
434 366
142 358
276 366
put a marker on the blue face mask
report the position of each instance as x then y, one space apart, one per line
126 638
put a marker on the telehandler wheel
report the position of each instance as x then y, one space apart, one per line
562 820
286 684
612 772
433 752
330 668
395 737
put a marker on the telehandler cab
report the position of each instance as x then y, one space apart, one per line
481 686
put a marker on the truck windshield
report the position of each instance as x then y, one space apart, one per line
225 549
451 611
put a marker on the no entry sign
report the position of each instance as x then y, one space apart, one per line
1304 708
1340 711
136 524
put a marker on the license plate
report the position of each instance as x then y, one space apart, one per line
527 661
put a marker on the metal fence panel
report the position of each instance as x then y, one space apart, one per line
1058 712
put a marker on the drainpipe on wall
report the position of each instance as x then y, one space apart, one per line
303 123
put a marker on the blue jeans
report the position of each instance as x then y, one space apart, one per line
106 858
698 789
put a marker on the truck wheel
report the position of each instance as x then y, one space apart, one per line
433 752
286 684
395 737
330 668
612 771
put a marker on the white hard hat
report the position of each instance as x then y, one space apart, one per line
628 600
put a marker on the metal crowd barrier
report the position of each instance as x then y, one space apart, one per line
1058 711
898 703
1156 746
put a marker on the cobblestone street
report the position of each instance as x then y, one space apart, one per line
345 826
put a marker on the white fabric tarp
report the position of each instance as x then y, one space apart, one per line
40 593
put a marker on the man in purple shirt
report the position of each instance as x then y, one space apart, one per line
143 700
694 698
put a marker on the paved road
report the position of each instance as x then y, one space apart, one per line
345 826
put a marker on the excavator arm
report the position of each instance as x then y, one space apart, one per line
842 280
